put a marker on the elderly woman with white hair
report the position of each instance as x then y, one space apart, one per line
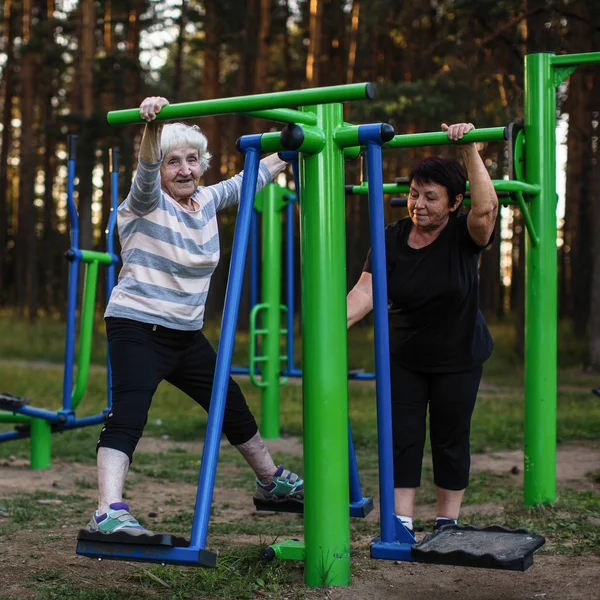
170 248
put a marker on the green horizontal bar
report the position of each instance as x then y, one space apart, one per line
6 417
285 115
440 138
388 188
511 185
245 104
573 60
271 142
89 256
500 185
347 136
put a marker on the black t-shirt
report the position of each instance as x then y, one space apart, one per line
433 293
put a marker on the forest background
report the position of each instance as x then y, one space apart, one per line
65 64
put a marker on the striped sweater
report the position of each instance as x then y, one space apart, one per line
169 253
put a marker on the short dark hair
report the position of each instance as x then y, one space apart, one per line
445 171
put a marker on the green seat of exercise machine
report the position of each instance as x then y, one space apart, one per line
10 402
491 547
122 537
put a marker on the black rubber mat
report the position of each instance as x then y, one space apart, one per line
288 505
122 537
8 401
491 547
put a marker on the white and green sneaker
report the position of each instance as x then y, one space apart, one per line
118 518
285 484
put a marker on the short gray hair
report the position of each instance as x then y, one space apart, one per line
180 135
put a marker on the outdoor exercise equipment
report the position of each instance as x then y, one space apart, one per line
37 423
318 133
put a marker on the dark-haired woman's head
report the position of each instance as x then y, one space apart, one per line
437 189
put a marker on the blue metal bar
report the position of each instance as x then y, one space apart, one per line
13 435
40 413
173 555
355 489
110 248
294 372
251 146
382 356
239 371
85 422
73 278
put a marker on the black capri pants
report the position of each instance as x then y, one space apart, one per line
451 398
141 356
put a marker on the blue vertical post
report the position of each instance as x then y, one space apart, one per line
382 342
73 277
251 146
110 248
355 489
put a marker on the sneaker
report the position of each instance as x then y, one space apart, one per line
284 484
441 522
596 391
118 518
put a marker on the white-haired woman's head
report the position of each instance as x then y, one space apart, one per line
180 135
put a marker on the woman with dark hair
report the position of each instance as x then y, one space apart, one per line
438 336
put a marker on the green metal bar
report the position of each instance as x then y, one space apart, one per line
85 333
574 60
510 185
270 142
309 140
533 237
440 138
388 188
347 136
254 332
541 284
40 444
324 358
352 153
90 256
245 104
8 417
284 115
500 185
289 550
271 294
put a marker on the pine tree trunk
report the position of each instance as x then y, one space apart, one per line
25 271
7 84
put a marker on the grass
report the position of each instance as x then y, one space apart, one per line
571 525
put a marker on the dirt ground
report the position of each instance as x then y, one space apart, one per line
24 554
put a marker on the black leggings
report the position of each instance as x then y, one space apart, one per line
451 398
141 356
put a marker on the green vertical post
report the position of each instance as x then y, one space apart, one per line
324 358
271 296
41 443
541 284
86 332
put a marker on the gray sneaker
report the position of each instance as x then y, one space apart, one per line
118 518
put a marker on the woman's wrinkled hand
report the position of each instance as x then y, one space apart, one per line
457 130
151 106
